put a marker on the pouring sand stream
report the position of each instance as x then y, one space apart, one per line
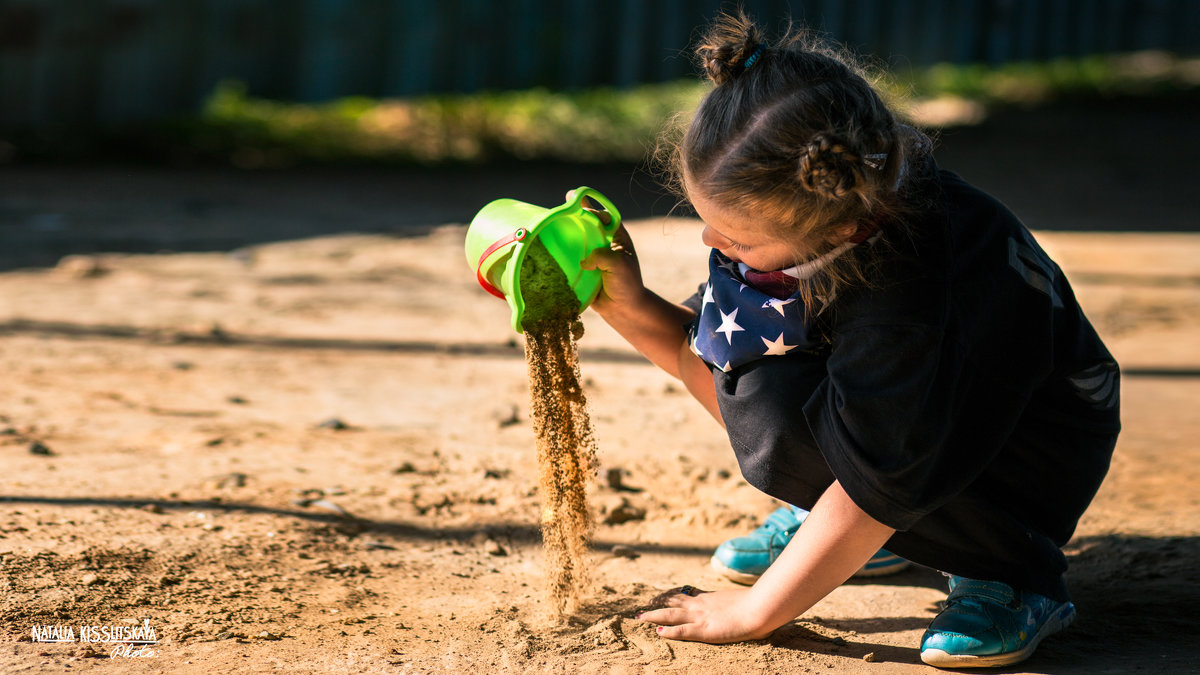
566 446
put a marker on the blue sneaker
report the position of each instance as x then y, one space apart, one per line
987 624
744 559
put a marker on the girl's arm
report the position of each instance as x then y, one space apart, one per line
836 539
654 326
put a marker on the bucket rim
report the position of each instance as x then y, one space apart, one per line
521 237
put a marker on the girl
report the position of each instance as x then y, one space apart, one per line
887 347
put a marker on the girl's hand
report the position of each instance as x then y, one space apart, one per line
716 617
620 272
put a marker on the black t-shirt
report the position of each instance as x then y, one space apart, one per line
962 398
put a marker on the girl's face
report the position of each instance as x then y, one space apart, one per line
745 239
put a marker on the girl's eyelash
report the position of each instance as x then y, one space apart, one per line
739 247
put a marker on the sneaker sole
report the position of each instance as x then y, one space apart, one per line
876 568
732 574
940 659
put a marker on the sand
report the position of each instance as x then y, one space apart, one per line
566 444
316 456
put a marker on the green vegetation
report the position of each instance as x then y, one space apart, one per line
1140 74
588 126
611 124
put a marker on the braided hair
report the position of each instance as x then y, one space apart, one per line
792 132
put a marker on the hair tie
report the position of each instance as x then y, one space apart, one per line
753 57
875 161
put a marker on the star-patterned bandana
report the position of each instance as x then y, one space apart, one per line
739 323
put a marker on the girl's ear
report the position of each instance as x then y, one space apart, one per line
842 232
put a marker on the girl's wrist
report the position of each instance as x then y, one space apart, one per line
636 306
768 611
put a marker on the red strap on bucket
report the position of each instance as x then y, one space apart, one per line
500 243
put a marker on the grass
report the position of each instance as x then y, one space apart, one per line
588 126
606 124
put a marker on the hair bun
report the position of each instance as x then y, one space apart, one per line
729 43
829 167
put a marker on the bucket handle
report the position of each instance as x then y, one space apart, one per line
577 195
500 243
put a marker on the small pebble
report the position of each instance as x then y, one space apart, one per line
493 547
334 424
870 657
377 546
228 480
624 513
89 579
838 641
38 448
507 418
327 505
622 551
152 508
87 652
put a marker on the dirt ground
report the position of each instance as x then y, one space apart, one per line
315 456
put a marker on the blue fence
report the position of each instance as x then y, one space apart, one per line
121 61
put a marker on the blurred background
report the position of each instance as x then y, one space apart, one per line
143 125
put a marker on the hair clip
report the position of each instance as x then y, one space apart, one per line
754 57
875 161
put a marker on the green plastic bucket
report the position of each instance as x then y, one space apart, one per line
502 231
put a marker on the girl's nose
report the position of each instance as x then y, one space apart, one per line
713 239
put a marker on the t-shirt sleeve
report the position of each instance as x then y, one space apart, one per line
695 300
885 425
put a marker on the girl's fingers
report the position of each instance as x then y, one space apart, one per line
667 616
604 216
681 632
674 623
601 259
622 239
607 259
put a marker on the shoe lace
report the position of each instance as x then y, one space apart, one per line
782 520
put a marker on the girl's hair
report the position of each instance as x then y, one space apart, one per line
793 133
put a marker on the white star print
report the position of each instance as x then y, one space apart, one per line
708 296
777 305
777 347
696 346
729 324
725 368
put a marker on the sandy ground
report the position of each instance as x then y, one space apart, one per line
315 455
311 453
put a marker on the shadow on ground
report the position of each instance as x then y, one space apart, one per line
1136 597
